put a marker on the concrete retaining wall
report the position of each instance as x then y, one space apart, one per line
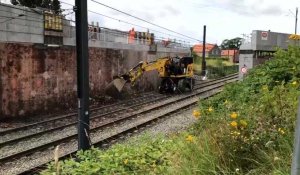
35 78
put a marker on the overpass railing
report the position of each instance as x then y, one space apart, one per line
123 37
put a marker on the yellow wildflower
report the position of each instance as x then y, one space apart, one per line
226 102
196 114
243 123
236 133
294 83
210 109
234 124
281 131
233 115
189 138
125 161
265 87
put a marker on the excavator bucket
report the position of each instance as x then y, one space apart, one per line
115 87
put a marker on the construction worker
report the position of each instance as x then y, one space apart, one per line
131 36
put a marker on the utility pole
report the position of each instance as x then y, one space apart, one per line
203 52
295 170
82 74
296 21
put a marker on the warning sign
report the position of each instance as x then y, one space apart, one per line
264 35
244 70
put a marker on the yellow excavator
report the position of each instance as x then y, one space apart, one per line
176 75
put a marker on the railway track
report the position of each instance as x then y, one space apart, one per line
28 151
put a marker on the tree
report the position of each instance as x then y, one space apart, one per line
46 4
56 6
28 3
14 2
234 43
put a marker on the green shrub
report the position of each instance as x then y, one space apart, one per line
255 119
145 156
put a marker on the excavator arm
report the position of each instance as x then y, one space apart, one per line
134 74
137 71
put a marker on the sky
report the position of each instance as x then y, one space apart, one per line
225 19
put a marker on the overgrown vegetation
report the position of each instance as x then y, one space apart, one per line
252 122
216 67
136 157
246 129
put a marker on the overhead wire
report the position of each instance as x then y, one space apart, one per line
126 22
27 10
120 11
42 20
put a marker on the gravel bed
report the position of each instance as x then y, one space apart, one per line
14 122
61 122
44 156
178 122
37 141
49 137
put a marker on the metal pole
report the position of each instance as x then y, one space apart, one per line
82 74
296 21
203 51
296 153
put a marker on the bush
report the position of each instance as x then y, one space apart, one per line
145 156
216 72
254 119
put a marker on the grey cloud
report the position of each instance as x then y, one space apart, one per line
138 13
272 10
147 13
243 7
171 10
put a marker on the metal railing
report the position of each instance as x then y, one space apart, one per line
122 37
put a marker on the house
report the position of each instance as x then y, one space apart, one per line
232 54
211 50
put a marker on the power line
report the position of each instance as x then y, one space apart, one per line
25 10
42 20
126 22
131 23
144 20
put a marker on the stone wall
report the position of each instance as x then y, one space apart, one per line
35 78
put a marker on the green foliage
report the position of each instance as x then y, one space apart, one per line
48 4
234 43
216 66
28 3
259 139
220 71
56 6
145 156
197 157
